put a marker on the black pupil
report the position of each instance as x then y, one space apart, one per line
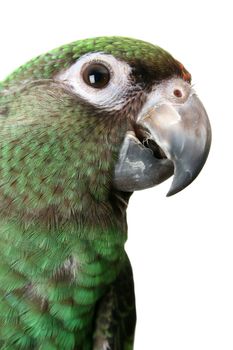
96 75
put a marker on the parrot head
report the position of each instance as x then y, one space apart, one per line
99 115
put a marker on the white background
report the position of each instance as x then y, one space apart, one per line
181 248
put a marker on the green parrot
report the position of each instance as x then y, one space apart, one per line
81 128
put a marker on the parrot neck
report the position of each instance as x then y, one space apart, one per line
80 206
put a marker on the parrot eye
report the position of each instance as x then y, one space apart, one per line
96 75
100 79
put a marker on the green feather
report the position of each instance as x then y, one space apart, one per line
62 225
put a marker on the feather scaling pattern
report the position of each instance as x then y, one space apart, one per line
65 280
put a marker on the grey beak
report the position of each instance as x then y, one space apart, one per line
184 134
137 168
172 137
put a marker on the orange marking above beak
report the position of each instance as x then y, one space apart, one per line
185 74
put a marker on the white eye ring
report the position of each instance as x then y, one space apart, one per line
109 97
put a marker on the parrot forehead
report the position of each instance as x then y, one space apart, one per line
150 61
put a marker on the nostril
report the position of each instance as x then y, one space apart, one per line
177 93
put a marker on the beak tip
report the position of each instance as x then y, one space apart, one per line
173 191
169 194
181 180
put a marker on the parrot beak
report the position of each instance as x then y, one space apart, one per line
182 130
173 125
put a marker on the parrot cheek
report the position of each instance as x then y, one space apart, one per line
173 136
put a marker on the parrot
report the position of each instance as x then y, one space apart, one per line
82 127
